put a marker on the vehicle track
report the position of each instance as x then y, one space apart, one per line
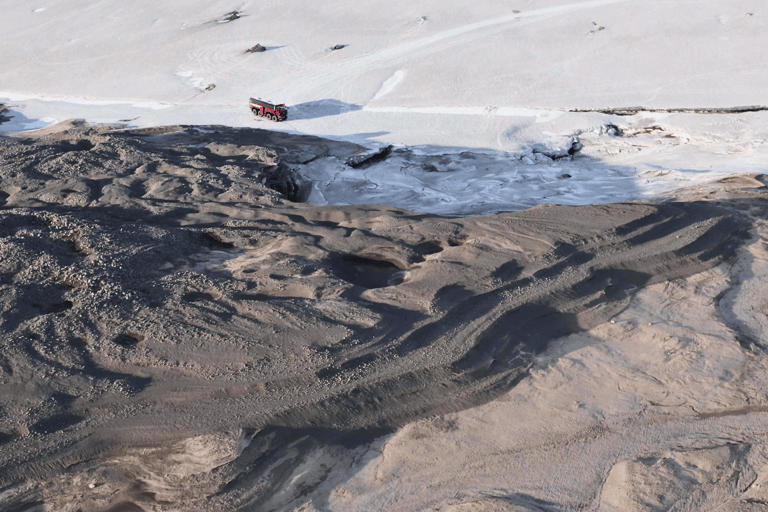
347 70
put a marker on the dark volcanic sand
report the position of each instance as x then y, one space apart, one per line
164 304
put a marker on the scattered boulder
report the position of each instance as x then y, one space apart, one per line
3 118
256 49
210 87
575 146
287 181
570 149
541 154
337 47
365 160
610 129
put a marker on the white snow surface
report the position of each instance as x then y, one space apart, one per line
464 91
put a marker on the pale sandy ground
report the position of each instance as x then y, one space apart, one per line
177 335
662 408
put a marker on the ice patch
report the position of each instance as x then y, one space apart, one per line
190 80
78 100
389 85
39 123
14 126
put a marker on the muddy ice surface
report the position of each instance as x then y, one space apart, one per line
179 334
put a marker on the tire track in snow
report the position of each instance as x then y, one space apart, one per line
346 71
342 77
477 30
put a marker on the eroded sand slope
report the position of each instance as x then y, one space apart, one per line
180 336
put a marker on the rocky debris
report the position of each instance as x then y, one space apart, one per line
610 129
231 16
541 154
364 160
337 47
256 49
3 117
614 130
288 182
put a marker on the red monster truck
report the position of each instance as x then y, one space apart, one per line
270 111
